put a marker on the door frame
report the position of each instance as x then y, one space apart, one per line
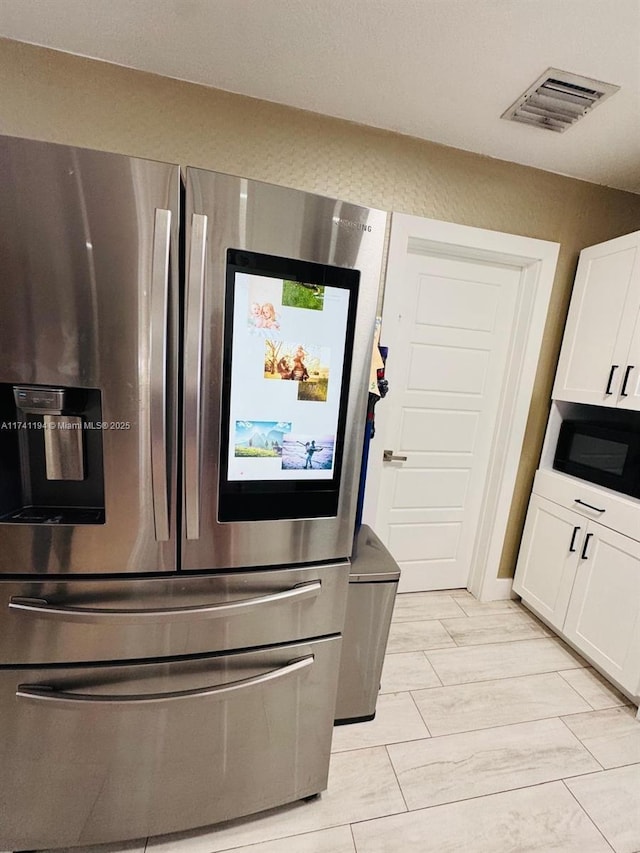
536 260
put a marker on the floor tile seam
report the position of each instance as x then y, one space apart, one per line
433 668
465 800
416 621
483 728
460 608
516 787
508 614
466 644
577 692
510 678
448 633
395 776
415 705
560 671
625 703
397 621
479 611
434 738
450 645
253 844
353 838
568 727
383 745
555 640
589 818
501 678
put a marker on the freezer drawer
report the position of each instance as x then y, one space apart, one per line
103 620
95 754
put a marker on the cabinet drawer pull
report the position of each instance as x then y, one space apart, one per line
583 556
614 367
590 506
572 549
623 392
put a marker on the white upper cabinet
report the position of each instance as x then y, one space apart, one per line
600 356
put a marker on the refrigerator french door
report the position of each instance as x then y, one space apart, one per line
183 372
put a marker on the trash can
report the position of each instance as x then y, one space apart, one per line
373 583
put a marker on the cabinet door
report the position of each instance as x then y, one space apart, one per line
603 618
601 322
548 558
629 395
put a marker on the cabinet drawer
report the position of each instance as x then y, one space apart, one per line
95 754
57 621
615 511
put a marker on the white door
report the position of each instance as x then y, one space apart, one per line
452 322
463 318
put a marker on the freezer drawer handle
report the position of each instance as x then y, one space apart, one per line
48 694
158 371
41 607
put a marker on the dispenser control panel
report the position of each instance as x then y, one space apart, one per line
39 399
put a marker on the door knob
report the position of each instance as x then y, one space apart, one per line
388 456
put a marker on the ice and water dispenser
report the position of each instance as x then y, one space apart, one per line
51 455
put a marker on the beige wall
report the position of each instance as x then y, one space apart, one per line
63 98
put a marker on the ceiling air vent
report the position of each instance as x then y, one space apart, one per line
558 99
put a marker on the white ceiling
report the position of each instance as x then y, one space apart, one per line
443 70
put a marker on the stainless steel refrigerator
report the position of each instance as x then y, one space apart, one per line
184 361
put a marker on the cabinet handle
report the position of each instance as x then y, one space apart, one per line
614 367
573 539
583 556
623 392
584 503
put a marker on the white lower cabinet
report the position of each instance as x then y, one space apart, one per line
603 617
548 559
583 579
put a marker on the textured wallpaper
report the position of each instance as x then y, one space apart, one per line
62 98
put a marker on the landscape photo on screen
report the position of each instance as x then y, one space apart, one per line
296 294
307 452
260 439
307 364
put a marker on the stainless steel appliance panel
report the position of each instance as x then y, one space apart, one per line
100 620
227 212
96 754
88 251
373 583
365 636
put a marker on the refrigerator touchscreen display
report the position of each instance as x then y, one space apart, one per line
288 339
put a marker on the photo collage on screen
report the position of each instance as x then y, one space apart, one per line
288 347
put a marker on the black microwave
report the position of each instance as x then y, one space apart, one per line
601 453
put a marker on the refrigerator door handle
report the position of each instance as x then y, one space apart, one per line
49 694
158 371
41 607
192 382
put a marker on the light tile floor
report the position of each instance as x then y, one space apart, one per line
491 736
